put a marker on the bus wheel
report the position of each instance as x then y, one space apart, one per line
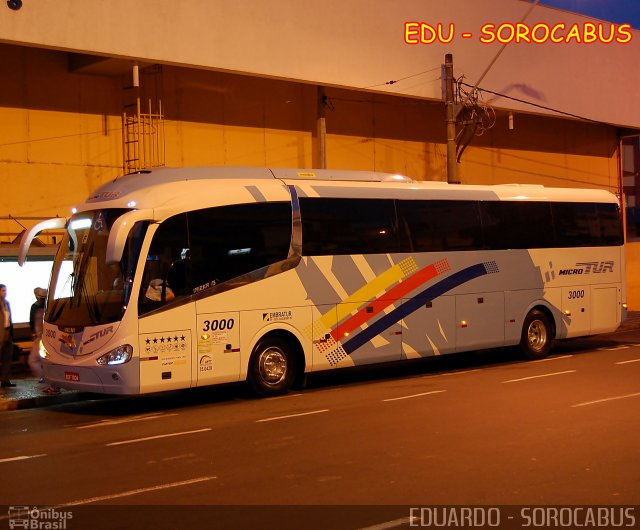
537 335
272 367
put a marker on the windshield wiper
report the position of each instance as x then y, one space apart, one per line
56 311
55 315
89 300
79 272
82 289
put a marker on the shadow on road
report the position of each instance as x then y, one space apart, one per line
114 406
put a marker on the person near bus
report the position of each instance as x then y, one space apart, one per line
6 338
36 318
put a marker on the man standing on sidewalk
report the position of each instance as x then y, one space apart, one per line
36 316
6 338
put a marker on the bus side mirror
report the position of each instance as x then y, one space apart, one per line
120 231
29 235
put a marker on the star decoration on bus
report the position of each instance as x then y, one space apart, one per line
165 338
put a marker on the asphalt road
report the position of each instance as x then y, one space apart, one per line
476 429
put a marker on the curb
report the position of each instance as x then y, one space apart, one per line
39 401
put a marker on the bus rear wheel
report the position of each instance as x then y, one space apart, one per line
272 367
537 335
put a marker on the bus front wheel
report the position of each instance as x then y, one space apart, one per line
272 367
537 335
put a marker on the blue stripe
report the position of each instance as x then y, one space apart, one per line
413 304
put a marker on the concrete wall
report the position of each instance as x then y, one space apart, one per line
61 131
348 43
61 134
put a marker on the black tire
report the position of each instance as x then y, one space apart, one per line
272 368
537 335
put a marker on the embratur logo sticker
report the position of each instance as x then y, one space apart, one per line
277 315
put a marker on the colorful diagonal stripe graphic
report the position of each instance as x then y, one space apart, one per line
412 304
371 290
368 292
390 297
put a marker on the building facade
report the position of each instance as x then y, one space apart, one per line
93 89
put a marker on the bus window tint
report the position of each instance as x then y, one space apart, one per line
510 224
576 224
440 225
165 268
610 224
229 241
348 226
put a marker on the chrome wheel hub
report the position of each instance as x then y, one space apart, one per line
537 335
273 366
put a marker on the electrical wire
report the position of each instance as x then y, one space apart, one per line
535 104
475 116
394 81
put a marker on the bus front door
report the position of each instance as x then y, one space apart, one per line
166 343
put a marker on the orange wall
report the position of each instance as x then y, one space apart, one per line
633 278
61 134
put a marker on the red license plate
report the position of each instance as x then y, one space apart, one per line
72 376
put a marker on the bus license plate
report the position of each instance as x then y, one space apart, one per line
72 376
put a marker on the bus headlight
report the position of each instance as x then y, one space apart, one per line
44 354
120 355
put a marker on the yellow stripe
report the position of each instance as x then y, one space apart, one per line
369 292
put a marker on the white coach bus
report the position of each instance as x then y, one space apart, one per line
177 278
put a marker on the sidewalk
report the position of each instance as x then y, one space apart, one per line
28 393
632 322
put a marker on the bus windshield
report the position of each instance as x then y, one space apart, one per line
85 290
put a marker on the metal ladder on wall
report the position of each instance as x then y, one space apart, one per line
143 143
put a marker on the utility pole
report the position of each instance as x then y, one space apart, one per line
322 130
451 120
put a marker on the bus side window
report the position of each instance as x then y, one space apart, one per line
179 276
514 224
441 225
610 224
349 226
576 224
165 265
230 241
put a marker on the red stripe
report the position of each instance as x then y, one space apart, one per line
388 298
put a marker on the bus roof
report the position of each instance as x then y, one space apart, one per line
198 187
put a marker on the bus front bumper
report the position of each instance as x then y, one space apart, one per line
122 379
